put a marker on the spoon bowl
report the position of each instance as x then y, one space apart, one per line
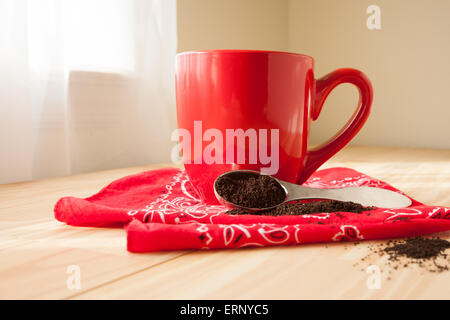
249 173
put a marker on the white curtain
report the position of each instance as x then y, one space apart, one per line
85 85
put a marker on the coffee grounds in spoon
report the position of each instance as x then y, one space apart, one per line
250 190
298 208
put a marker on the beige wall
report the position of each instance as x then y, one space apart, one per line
232 24
408 60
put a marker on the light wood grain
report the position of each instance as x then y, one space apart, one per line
35 250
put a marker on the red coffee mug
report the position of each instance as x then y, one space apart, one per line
269 96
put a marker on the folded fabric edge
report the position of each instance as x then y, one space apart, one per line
153 237
76 212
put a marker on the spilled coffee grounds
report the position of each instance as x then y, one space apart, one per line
417 248
309 208
428 253
250 190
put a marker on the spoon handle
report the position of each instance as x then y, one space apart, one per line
367 196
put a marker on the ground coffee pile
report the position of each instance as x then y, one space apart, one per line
428 253
250 190
417 248
420 251
299 208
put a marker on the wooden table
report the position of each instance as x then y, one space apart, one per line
36 250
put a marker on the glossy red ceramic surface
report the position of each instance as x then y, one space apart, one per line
231 89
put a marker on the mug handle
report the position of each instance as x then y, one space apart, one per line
317 156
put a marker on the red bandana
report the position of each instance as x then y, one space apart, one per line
162 212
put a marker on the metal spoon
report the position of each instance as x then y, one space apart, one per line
367 196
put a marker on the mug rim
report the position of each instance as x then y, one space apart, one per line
242 51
